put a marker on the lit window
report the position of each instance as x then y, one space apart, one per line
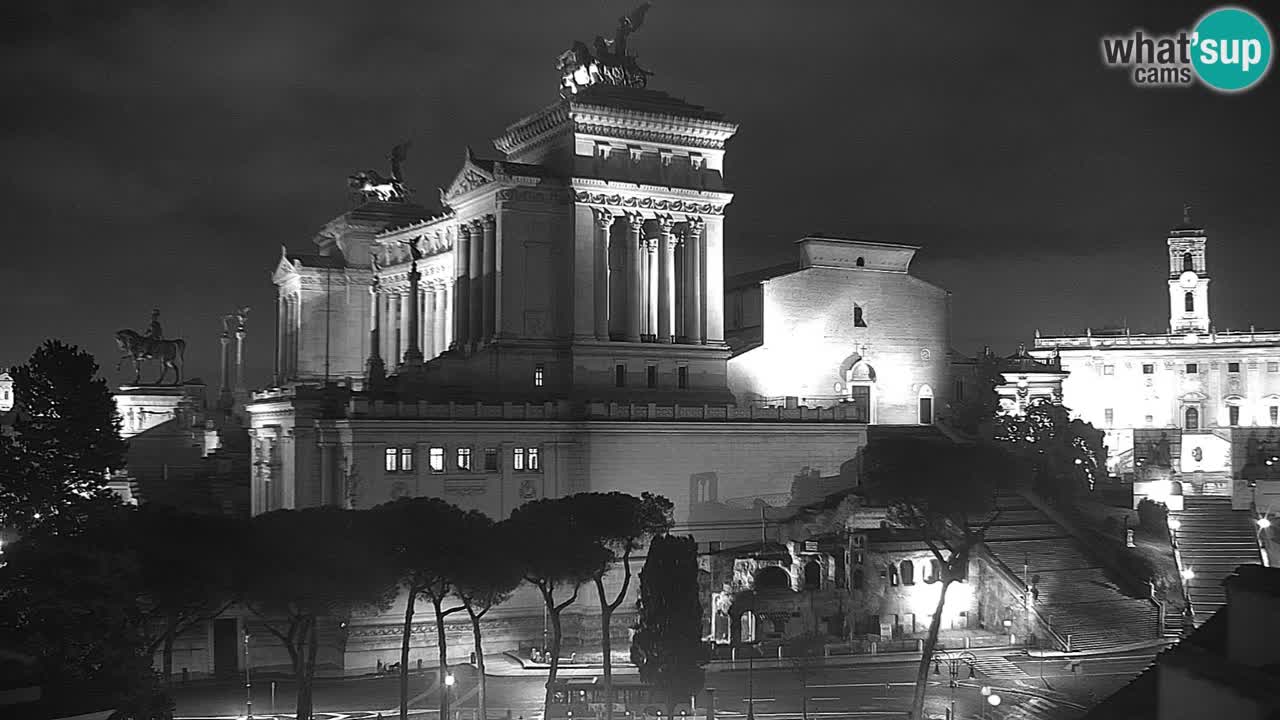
1148 369
1149 420
436 458
1192 369
651 376
534 462
858 319
537 376
406 459
682 377
517 460
1274 412
620 375
1233 415
464 458
893 575
1110 415
1108 369
390 461
490 459
1233 367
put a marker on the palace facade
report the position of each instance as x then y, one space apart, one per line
1193 410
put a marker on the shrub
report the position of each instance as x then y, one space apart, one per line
1153 516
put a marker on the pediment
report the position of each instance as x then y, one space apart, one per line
1194 396
469 177
284 268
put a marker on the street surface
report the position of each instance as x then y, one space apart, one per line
1029 689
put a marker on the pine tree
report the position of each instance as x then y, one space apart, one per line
667 646
64 443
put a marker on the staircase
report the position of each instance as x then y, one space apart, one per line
1213 541
1076 597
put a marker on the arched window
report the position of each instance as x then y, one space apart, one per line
860 262
813 575
931 575
1193 419
893 575
925 400
858 579
1189 301
772 578
858 319
1188 262
908 572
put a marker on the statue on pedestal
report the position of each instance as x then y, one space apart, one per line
371 185
609 65
151 346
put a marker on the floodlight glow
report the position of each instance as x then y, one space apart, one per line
1188 574
993 699
448 679
1174 524
1264 523
986 690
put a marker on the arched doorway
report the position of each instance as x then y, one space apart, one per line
813 575
773 578
860 380
925 401
1191 417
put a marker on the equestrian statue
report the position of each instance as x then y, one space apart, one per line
151 346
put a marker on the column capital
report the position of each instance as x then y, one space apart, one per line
477 225
695 224
464 230
604 218
666 223
489 222
635 221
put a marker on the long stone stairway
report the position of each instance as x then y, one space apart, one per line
1213 541
1075 595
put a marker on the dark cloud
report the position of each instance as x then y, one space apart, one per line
160 154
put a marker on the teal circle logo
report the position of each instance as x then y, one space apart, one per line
1231 49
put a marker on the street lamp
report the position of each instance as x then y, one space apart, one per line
248 683
448 692
954 663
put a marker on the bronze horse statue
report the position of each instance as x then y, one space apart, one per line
138 348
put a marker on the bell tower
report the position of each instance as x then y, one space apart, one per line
1188 278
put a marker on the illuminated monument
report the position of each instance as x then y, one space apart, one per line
558 325
1193 410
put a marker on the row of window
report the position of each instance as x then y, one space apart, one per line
620 376
1190 368
1192 417
523 459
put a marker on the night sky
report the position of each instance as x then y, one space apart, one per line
160 155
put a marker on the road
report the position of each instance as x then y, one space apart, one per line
1029 689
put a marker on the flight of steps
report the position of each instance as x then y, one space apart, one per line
1213 541
1076 597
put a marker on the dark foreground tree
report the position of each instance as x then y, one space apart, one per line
621 523
488 575
310 565
424 539
1064 456
946 493
556 553
65 442
189 565
667 646
69 599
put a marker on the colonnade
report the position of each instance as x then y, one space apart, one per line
650 279
392 315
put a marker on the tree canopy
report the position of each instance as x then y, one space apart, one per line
65 441
1062 455
667 646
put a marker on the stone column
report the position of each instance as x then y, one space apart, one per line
693 291
635 224
326 474
280 325
376 371
447 324
604 221
428 318
462 287
666 280
223 388
490 281
475 270
413 331
651 277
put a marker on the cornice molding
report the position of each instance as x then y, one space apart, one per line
532 128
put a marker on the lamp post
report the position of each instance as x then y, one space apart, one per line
248 683
448 695
954 662
1264 523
